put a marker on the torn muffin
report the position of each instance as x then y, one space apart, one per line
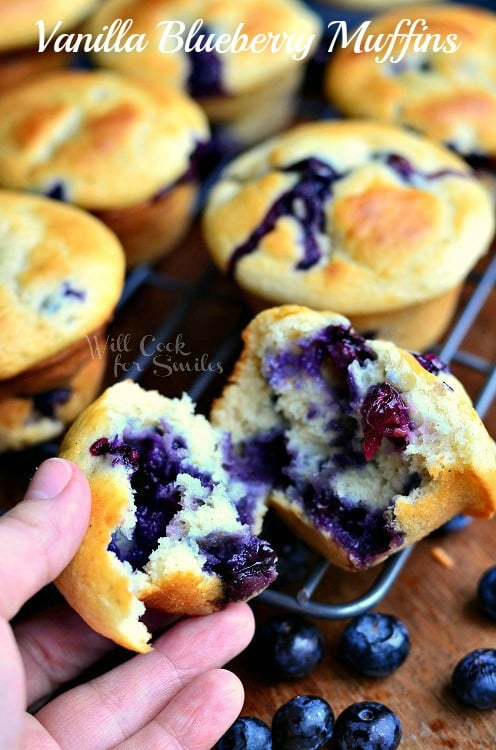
377 446
165 528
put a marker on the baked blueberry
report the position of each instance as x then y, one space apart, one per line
384 414
288 647
474 679
305 722
247 733
367 726
486 592
375 644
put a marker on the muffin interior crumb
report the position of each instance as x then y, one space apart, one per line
181 508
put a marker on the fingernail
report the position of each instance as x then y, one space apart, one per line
50 479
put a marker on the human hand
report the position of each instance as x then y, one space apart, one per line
174 698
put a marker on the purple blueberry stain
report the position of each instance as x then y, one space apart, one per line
303 202
55 301
431 362
365 532
405 169
72 292
153 460
335 343
256 463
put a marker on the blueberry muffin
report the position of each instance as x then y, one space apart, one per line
377 446
360 217
165 530
248 94
61 275
115 147
20 57
447 95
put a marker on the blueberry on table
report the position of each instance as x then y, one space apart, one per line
247 733
375 644
305 722
287 647
486 593
474 679
457 523
367 726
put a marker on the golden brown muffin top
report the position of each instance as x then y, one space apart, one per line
242 70
100 139
353 216
61 275
449 96
18 19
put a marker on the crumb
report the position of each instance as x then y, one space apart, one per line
442 557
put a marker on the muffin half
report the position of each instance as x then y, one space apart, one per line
165 528
375 446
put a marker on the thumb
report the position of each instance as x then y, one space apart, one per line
39 537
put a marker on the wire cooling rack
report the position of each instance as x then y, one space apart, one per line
192 297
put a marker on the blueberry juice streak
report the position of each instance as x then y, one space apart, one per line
255 463
153 460
405 169
304 202
363 528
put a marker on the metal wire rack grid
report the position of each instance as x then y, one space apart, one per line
190 295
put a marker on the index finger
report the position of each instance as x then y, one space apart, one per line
39 536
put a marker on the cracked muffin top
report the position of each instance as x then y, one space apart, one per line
61 275
354 216
218 74
449 96
96 139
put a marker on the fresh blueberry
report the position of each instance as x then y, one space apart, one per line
247 733
305 722
474 679
367 726
457 523
486 593
375 644
288 647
